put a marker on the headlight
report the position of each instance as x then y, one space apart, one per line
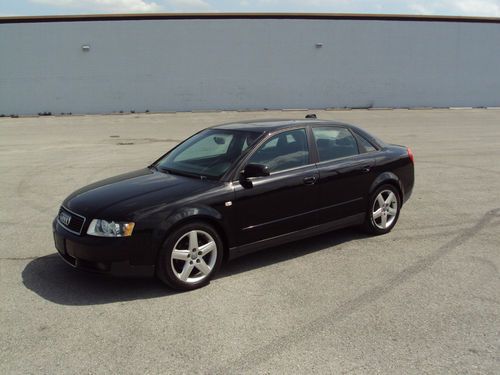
104 228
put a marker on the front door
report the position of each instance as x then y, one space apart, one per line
284 201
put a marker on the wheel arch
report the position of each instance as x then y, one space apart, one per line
388 178
189 215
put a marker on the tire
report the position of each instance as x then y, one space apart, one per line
190 256
383 210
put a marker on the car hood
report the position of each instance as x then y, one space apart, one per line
122 195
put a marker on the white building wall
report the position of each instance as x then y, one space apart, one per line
164 65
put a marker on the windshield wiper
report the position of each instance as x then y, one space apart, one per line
178 172
181 173
161 169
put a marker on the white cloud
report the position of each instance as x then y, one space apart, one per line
420 8
480 7
446 7
338 6
449 7
189 5
104 5
458 7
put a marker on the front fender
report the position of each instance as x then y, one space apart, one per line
191 212
183 215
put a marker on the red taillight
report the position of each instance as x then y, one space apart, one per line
410 155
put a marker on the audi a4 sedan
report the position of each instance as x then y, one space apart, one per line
232 189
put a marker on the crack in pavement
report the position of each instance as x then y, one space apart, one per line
29 258
282 343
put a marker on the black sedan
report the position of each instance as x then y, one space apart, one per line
233 189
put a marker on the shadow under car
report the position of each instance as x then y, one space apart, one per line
55 281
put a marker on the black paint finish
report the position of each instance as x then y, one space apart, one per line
249 214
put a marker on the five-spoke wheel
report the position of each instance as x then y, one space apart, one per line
194 256
190 256
383 210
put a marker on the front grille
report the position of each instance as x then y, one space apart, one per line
71 221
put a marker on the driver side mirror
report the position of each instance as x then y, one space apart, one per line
253 170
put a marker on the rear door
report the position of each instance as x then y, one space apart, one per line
345 173
285 200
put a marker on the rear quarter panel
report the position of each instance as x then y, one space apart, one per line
395 166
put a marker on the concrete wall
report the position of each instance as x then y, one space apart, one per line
195 64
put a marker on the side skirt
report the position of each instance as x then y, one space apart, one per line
235 252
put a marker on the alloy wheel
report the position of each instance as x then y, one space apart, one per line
194 256
385 209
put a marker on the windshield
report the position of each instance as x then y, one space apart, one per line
209 153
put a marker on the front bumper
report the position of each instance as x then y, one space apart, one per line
99 254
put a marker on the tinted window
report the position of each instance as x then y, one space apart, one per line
209 153
215 145
283 151
365 145
249 140
334 143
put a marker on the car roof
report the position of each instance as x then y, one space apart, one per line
271 125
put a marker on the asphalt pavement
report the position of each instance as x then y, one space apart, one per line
423 299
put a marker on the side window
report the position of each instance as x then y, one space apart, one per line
364 144
249 140
334 143
283 151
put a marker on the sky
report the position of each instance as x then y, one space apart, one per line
490 8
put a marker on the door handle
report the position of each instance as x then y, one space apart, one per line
366 169
310 180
